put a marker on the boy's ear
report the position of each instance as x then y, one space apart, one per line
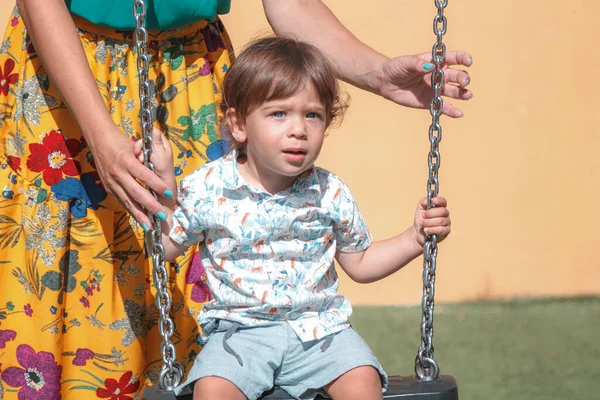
235 125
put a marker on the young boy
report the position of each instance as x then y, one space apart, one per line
270 225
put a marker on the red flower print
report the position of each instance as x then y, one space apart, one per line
118 390
14 21
28 310
54 157
6 78
14 163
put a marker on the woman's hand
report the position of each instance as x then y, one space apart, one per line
121 173
402 80
435 221
406 80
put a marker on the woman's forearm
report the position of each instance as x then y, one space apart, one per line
313 22
57 43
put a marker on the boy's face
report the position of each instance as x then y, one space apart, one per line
283 138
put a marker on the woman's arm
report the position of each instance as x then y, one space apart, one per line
313 22
57 43
404 80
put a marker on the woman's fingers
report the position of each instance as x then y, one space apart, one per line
458 58
456 80
152 181
133 207
127 176
454 88
451 111
124 177
457 76
456 92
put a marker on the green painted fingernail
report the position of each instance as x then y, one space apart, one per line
428 66
467 81
168 193
145 227
161 215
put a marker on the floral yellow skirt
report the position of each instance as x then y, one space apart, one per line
77 312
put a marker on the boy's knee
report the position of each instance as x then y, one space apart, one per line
217 388
362 382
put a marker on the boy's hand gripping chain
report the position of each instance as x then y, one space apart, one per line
426 369
171 372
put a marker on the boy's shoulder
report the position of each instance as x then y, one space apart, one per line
213 171
329 182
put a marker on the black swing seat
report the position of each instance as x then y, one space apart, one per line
443 388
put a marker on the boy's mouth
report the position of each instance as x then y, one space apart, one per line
295 151
295 156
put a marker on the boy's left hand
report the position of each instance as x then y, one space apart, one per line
435 221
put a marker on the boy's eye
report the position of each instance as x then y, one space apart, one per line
279 114
313 115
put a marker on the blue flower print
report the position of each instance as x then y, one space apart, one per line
83 194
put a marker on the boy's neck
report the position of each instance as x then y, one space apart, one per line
263 179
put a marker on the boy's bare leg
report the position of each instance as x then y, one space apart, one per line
361 383
216 388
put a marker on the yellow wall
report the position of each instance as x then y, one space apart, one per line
520 170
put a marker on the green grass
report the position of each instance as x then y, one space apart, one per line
530 350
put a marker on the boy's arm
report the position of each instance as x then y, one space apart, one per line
382 258
172 248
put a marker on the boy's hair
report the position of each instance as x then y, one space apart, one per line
274 68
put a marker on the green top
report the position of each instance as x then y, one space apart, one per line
160 14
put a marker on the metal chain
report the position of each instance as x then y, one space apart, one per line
171 372
426 369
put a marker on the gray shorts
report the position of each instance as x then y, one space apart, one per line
256 358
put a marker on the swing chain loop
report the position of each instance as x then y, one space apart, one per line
171 372
426 368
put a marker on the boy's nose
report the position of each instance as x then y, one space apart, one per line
298 130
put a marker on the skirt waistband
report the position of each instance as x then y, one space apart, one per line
102 33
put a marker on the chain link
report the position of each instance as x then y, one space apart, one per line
426 368
171 372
